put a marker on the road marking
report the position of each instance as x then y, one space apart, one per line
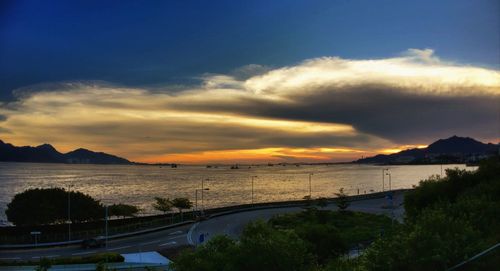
48 256
175 237
117 248
13 258
168 243
190 233
175 232
83 253
149 243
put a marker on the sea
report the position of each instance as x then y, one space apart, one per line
139 184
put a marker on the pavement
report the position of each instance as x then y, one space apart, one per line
231 224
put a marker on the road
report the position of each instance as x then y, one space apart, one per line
230 224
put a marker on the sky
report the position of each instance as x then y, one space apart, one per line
248 81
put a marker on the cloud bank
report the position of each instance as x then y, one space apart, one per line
321 109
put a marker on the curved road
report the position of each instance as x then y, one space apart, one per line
230 224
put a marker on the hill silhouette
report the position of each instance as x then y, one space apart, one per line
451 150
46 153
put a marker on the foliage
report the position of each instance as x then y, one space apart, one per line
260 248
182 203
50 205
342 200
322 240
435 241
343 264
101 266
163 204
355 227
448 221
123 210
95 258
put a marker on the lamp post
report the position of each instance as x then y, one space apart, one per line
35 235
252 187
196 196
310 194
383 178
202 189
390 181
69 211
106 225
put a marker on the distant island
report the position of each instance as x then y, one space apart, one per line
46 153
444 151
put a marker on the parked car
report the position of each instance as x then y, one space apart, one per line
95 242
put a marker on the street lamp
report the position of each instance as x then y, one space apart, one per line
106 225
69 211
196 196
35 235
202 189
252 187
383 178
310 175
390 182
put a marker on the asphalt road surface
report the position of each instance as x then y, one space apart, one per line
231 224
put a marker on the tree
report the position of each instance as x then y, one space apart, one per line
162 204
182 203
123 210
50 205
260 248
342 200
323 240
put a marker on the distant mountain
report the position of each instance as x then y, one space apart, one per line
451 150
46 153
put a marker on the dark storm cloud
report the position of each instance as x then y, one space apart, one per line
325 103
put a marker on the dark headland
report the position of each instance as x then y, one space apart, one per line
444 151
46 153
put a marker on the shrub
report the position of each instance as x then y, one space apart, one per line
50 205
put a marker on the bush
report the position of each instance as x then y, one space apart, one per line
342 200
50 205
260 248
96 258
323 240
123 210
448 221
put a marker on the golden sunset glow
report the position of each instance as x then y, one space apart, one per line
323 109
401 148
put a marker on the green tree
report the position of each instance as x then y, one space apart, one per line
435 242
265 248
342 200
123 210
163 204
260 248
182 203
50 205
219 253
448 220
323 240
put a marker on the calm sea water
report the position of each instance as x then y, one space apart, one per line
138 185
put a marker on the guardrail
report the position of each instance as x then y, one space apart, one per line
213 212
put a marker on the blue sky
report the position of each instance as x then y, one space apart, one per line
150 43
